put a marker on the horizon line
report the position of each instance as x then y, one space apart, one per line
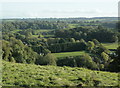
56 17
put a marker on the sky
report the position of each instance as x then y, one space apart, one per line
58 8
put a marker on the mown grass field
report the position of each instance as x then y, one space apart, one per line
111 45
78 53
15 31
16 74
65 54
73 25
44 30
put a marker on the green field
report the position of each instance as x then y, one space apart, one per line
73 25
44 30
111 45
15 31
41 31
35 36
77 53
34 75
65 54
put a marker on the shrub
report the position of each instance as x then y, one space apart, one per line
48 59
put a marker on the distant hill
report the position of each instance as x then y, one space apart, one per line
104 19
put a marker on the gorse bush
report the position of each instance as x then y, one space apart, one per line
27 75
48 59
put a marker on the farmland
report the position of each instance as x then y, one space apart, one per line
111 45
78 53
64 54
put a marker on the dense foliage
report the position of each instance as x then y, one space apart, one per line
34 41
99 33
16 51
33 24
67 47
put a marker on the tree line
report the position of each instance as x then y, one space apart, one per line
35 24
100 33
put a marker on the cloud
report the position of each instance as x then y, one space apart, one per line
61 13
82 11
69 13
67 8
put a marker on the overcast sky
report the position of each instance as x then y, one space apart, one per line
58 8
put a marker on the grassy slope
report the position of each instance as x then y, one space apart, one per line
33 75
65 54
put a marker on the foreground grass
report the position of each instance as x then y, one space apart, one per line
65 54
15 74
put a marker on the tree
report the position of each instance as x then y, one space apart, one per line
72 40
62 40
118 26
40 36
82 40
105 57
90 45
77 41
99 49
12 59
28 33
96 42
6 50
46 51
115 64
15 51
86 61
89 63
49 59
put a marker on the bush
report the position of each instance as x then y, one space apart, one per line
79 61
48 59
